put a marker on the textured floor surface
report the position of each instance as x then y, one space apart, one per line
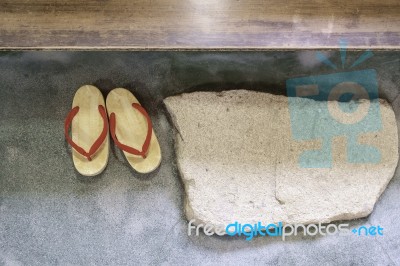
50 215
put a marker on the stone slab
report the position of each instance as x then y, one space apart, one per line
239 162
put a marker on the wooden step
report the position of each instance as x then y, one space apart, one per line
198 24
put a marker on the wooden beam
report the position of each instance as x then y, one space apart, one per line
198 24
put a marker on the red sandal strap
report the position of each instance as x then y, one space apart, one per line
96 145
146 143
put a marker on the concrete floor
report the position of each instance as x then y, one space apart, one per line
49 215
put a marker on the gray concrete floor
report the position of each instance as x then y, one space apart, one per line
50 215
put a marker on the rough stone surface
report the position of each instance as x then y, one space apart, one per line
239 162
50 215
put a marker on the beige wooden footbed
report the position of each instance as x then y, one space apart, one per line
131 130
86 127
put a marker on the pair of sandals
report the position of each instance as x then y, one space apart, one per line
127 121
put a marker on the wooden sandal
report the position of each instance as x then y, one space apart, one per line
132 131
89 131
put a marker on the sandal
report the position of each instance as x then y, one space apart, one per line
132 131
89 131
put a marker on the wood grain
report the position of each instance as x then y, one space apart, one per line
198 24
